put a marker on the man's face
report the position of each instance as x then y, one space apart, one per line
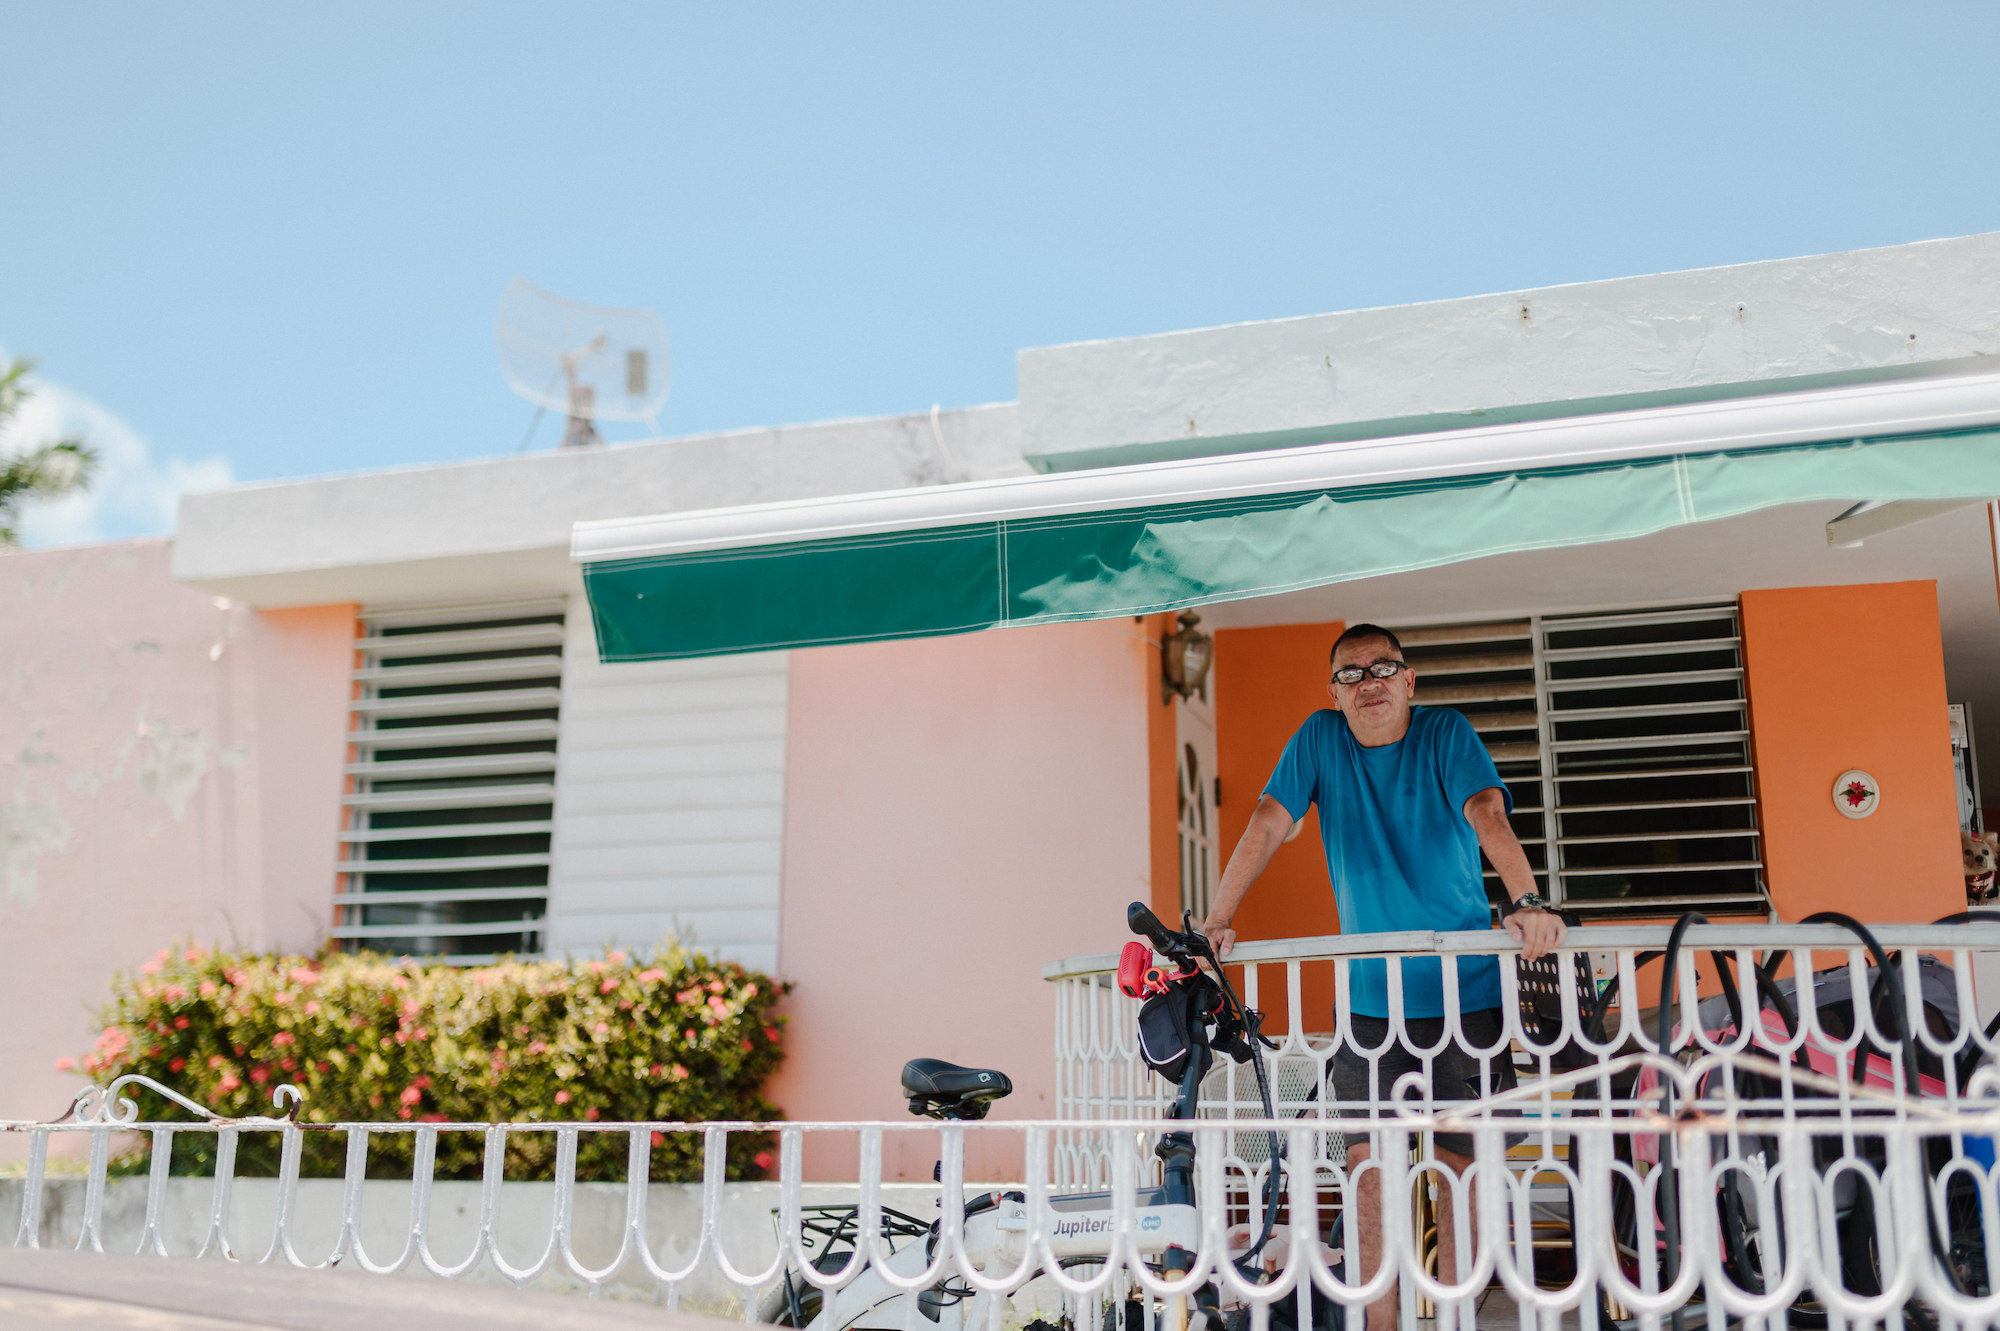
1377 710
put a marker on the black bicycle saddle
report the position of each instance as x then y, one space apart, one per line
937 1089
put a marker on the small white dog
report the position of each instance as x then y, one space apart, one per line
1982 859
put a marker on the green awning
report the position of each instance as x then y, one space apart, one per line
1051 568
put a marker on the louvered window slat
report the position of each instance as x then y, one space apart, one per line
452 780
1634 794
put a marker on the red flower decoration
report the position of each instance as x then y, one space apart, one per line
1857 794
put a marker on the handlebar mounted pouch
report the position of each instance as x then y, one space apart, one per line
1164 1039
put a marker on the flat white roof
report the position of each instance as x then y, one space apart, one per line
1566 350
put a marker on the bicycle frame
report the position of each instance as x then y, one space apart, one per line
1080 1226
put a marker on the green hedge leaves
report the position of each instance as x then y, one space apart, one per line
673 1038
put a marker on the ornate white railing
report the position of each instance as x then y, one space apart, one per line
1753 1176
1854 1206
1306 984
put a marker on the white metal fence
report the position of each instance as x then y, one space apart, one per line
1756 1176
1548 1024
1852 1213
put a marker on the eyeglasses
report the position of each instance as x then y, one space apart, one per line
1373 670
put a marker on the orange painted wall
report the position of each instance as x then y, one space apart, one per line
1815 711
1162 781
1268 681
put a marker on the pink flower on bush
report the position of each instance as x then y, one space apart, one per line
65 1064
535 1011
193 954
151 968
763 1161
618 958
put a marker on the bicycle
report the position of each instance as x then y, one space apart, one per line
1190 1012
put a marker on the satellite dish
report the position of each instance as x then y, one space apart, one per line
586 361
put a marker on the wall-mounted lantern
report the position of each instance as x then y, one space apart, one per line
1184 660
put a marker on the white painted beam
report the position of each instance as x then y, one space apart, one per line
1880 409
1874 517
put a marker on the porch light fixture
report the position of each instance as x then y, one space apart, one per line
1184 660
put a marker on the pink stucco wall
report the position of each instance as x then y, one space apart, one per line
959 812
170 768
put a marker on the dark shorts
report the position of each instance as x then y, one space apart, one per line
1366 1071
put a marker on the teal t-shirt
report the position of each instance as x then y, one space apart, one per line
1398 847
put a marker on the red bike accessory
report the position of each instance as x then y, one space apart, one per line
1132 966
1138 977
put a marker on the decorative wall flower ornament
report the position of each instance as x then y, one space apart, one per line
1856 793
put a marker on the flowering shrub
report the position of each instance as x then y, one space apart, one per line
675 1038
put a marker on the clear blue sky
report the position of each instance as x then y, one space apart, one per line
275 235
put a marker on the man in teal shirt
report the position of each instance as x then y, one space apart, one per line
1408 798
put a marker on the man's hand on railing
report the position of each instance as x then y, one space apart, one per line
1539 931
1219 935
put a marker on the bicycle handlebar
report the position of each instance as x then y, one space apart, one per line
1167 942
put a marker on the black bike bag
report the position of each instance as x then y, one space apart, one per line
1164 1040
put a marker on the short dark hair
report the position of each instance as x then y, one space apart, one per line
1355 632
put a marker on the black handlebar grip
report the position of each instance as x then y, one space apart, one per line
1147 924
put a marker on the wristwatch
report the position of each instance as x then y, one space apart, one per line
1531 901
